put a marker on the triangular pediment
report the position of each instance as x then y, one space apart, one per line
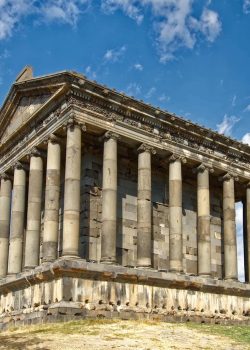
22 113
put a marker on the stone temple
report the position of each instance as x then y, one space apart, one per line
110 207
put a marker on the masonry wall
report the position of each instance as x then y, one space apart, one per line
91 211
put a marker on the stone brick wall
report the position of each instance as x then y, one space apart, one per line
91 210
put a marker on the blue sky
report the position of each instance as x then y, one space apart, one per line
190 57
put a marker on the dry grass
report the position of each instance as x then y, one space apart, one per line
118 334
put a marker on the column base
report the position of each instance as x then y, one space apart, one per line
108 261
69 256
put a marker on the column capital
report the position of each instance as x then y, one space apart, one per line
20 166
111 135
53 139
5 176
248 184
71 122
202 167
228 177
146 148
174 157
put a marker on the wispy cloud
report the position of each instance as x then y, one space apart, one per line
163 98
90 72
173 22
234 101
150 92
12 12
138 66
133 89
247 109
114 55
227 124
246 138
246 6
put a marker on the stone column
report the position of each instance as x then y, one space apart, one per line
71 217
144 207
230 247
17 220
32 241
203 220
5 201
52 197
109 198
247 233
175 213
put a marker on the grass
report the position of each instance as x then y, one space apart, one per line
236 333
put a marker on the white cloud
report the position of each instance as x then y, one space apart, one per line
246 6
225 127
138 66
234 101
246 138
150 92
173 22
90 73
247 109
133 89
63 11
114 55
129 7
163 97
240 244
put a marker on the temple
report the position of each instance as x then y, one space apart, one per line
110 207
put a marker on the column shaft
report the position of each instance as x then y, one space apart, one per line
52 196
203 227
109 199
144 208
175 216
247 233
32 242
230 248
5 201
17 221
71 218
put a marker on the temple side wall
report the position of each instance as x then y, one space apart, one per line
91 210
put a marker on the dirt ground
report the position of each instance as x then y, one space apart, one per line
127 335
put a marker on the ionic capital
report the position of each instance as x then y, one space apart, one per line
72 122
228 177
111 135
202 167
174 157
20 166
52 138
5 176
146 148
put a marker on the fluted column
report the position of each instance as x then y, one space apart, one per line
109 198
247 233
5 201
144 207
17 220
203 220
32 241
175 213
71 217
230 247
52 196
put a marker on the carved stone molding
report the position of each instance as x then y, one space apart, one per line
229 176
174 157
111 135
202 167
146 148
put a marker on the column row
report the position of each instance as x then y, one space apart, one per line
12 216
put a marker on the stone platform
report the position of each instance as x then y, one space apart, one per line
73 288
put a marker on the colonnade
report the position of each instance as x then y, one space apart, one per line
13 209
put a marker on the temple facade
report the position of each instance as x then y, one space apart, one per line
110 207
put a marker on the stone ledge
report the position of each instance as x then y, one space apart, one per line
79 268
